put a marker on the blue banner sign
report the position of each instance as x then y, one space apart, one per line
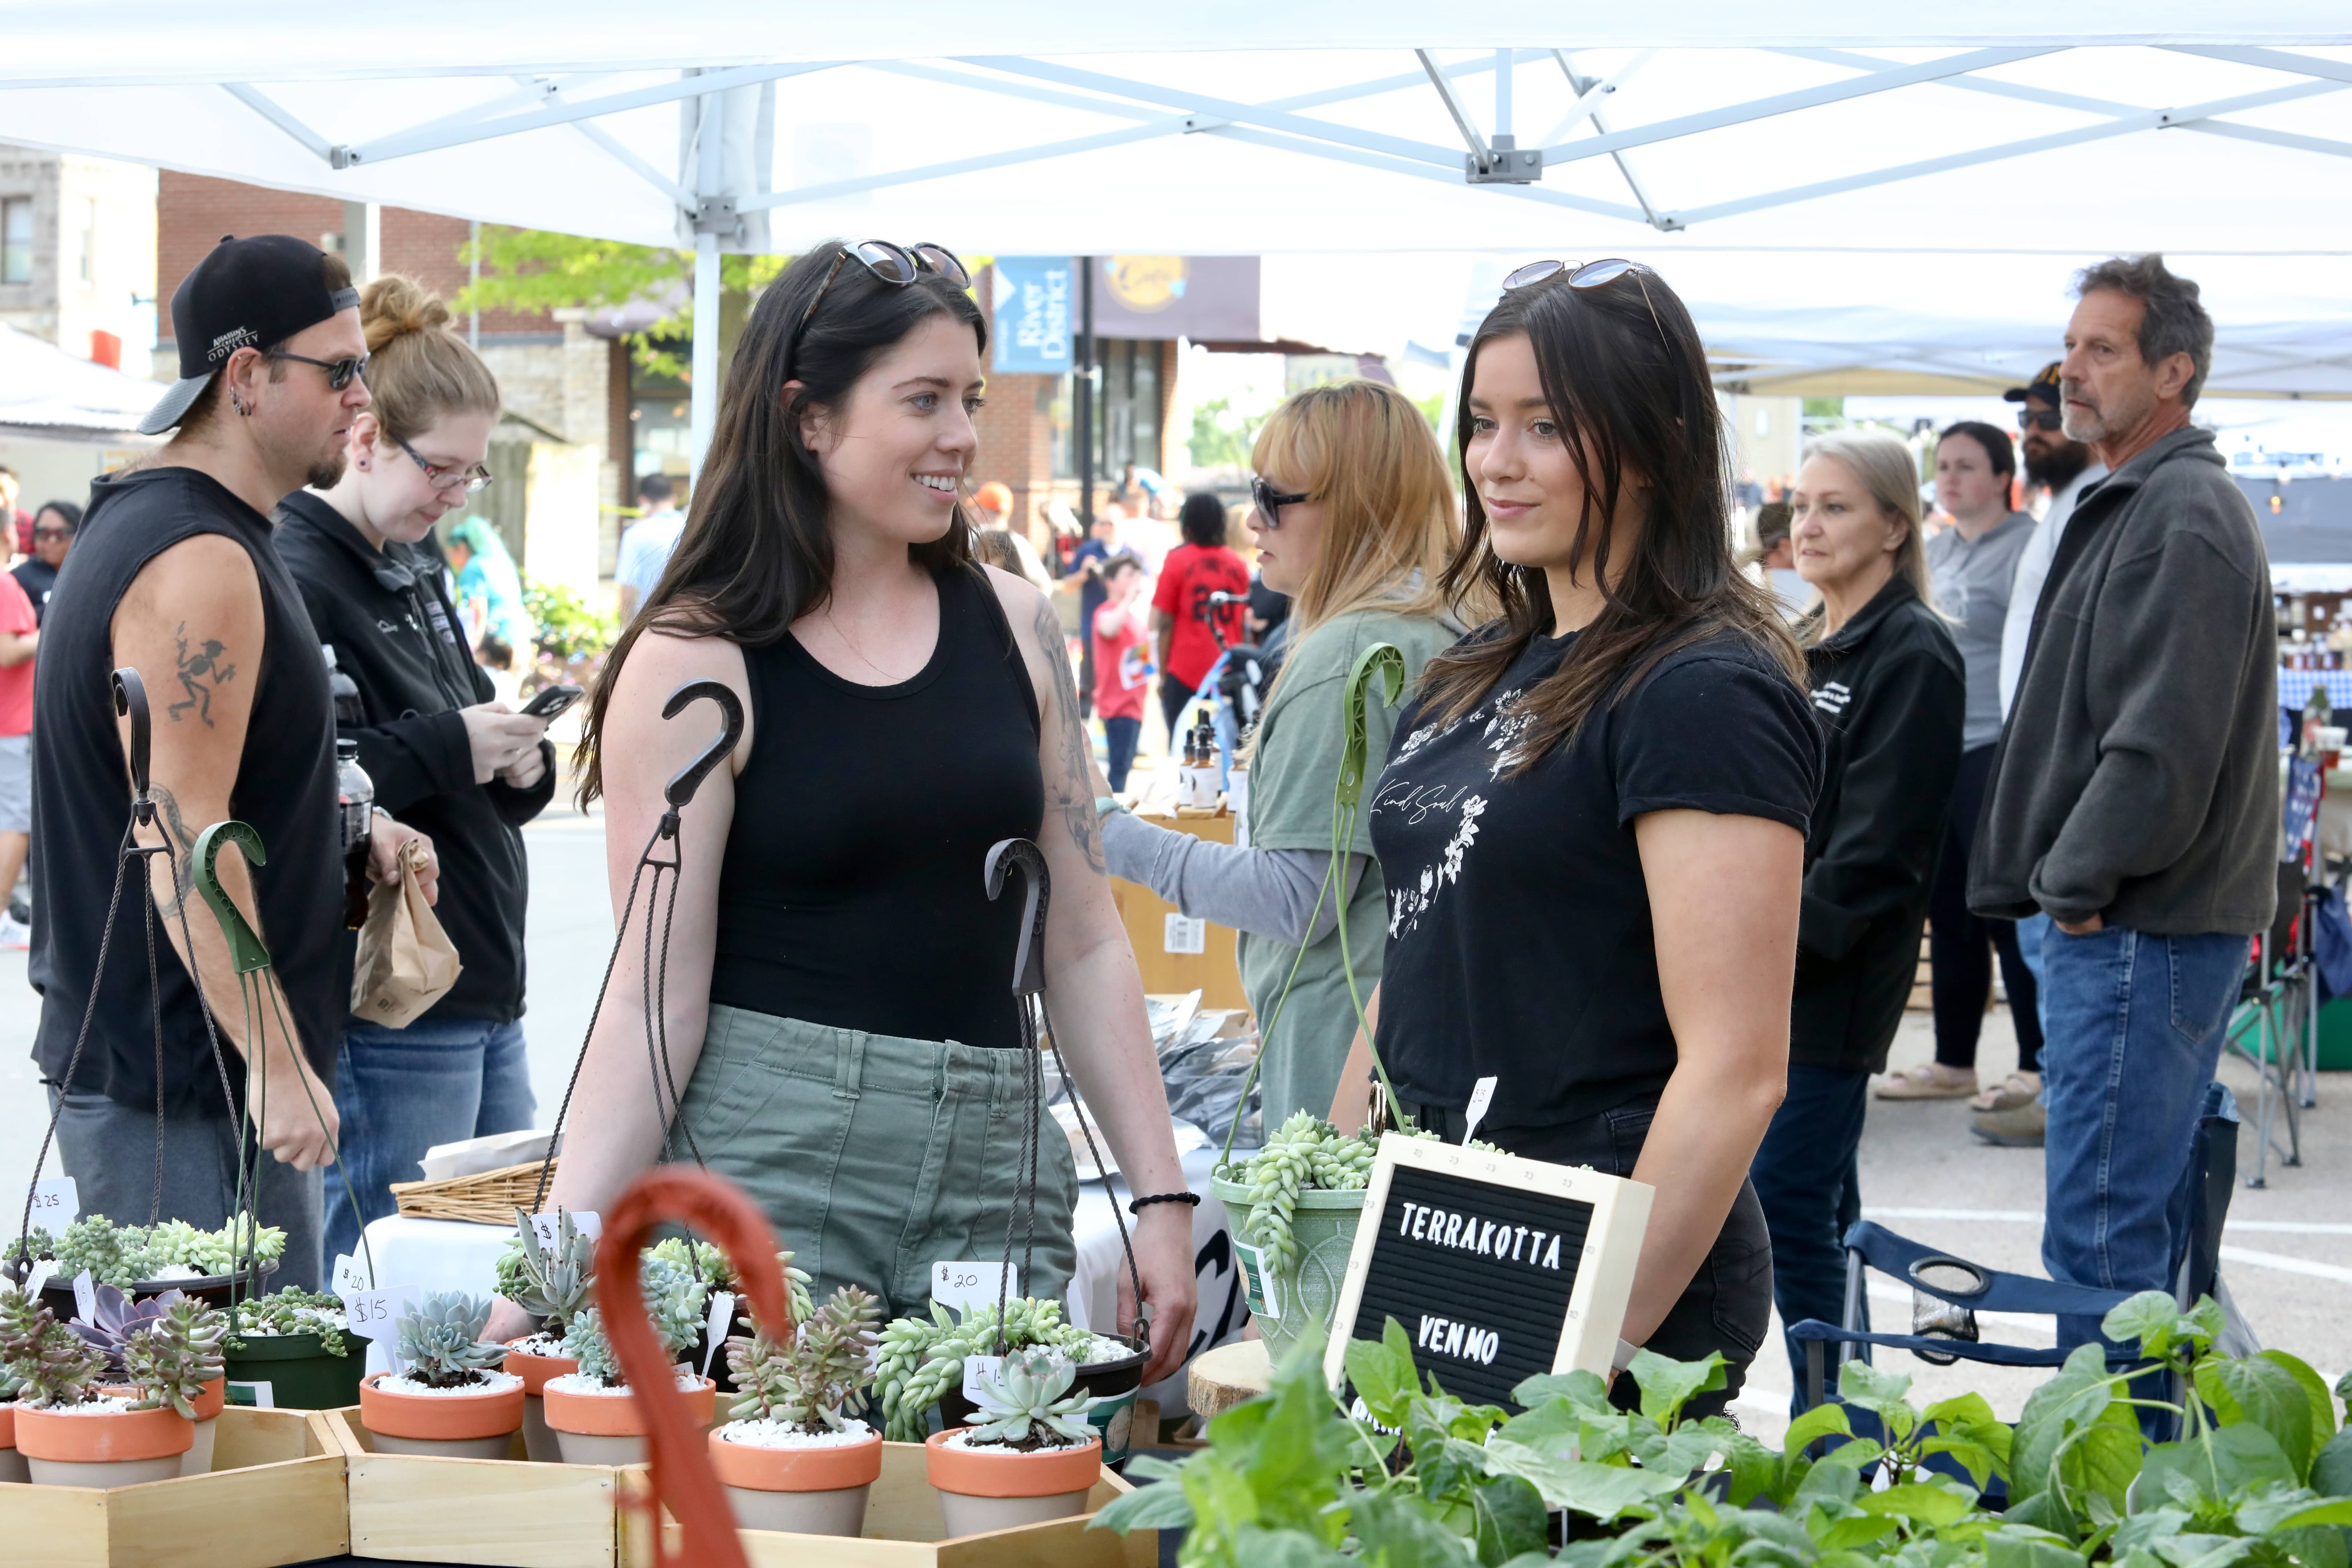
1032 298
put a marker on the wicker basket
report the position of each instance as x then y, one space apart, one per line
490 1198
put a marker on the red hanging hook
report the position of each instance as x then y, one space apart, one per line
682 1477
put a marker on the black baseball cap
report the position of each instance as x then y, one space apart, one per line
247 293
2044 385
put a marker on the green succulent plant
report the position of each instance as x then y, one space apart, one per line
123 1255
293 1311
553 1283
1026 1403
709 1260
441 1340
674 1302
177 1354
922 1358
805 1383
50 1363
584 1342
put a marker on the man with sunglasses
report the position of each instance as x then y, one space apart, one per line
175 575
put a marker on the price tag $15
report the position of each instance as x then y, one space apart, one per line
964 1286
57 1203
374 1314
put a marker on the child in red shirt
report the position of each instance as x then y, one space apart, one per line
1122 663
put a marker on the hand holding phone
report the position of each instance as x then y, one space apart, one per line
551 701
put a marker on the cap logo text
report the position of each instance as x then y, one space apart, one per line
235 338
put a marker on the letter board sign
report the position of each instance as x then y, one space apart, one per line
1498 1268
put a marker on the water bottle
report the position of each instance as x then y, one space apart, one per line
356 811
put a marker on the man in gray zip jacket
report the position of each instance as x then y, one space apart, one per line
2135 796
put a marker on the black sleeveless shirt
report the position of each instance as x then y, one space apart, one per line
81 804
852 891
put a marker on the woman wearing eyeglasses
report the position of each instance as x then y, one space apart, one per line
1354 519
1593 816
442 756
836 998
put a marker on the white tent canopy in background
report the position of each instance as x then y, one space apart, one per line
1862 134
47 394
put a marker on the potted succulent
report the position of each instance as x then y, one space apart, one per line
292 1344
74 1433
552 1284
920 1367
590 1410
787 1457
1030 1456
1297 1202
452 1401
12 1462
143 1260
129 1335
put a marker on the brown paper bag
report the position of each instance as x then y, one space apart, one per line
406 961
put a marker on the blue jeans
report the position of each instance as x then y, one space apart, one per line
401 1091
1805 1175
1122 734
2031 932
2135 1034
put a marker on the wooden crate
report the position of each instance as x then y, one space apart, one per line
275 1495
903 1526
509 1513
1212 971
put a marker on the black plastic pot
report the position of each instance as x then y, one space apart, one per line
300 1372
213 1289
1115 1382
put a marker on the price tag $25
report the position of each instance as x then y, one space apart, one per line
57 1203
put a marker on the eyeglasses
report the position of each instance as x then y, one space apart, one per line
1270 502
896 265
339 371
2039 419
474 479
1587 275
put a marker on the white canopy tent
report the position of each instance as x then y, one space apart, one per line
1691 133
48 395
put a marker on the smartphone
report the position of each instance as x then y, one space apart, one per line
551 702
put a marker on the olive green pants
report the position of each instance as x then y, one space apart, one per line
875 1157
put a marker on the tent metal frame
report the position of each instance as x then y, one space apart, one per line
1488 155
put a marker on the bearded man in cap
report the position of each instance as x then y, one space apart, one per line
174 574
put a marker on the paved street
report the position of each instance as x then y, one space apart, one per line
2289 1246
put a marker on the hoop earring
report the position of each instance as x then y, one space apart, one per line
237 403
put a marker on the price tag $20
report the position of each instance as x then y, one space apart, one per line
964 1286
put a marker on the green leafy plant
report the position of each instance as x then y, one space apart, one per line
553 1283
922 1358
569 626
440 1341
51 1364
805 1383
177 1353
293 1311
1025 1403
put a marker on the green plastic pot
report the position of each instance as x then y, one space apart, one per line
1324 1226
301 1375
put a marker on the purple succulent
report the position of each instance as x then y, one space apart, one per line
115 1318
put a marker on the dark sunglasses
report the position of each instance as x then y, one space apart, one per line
340 371
896 265
53 534
1587 275
1270 502
2039 419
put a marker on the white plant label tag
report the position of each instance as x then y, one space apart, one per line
370 1314
1184 934
714 1331
964 1286
1258 1283
85 1296
57 1203
976 1367
255 1396
349 1275
584 1221
1481 1095
42 1270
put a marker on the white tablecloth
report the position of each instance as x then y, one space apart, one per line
451 1255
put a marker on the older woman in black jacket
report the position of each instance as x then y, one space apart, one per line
1889 688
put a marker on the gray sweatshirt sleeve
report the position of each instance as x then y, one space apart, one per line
1268 893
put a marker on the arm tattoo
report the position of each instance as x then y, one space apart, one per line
199 672
183 838
1070 792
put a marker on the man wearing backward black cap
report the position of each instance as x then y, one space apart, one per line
175 575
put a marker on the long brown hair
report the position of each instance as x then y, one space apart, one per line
756 551
1624 372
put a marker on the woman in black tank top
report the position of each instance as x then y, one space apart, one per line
837 993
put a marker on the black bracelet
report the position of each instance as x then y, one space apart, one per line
1190 1200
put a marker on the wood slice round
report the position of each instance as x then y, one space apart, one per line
1228 1375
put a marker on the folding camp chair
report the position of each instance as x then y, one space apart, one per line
2275 1028
1947 1292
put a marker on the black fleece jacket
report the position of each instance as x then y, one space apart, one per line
389 621
1890 690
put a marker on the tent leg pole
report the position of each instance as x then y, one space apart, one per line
706 346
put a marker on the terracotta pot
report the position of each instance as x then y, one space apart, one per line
980 1490
198 1459
452 1425
808 1492
535 1370
122 1449
608 1430
12 1463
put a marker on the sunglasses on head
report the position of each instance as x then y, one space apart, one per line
896 265
340 371
1270 502
2039 419
1582 275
